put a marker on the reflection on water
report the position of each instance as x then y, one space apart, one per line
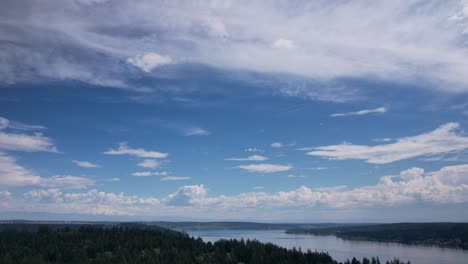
341 249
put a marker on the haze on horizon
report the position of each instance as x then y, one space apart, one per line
267 111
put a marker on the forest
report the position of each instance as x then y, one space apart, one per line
133 243
450 235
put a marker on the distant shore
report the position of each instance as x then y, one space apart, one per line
445 235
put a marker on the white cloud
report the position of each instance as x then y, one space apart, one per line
175 178
187 195
66 182
27 143
284 43
149 163
253 150
5 197
250 158
5 123
390 40
85 164
196 131
141 153
259 188
149 61
449 185
215 27
442 140
265 168
23 142
276 145
361 112
292 176
5 194
14 175
149 173
91 202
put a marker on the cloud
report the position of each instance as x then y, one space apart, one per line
14 175
442 140
292 176
449 185
253 150
276 145
141 153
5 123
250 158
196 131
92 202
403 41
175 178
284 43
149 163
5 197
23 142
148 61
149 173
446 186
86 164
265 168
361 112
187 195
66 182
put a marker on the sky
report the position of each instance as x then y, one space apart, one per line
267 111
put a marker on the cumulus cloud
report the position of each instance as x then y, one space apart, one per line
361 112
14 175
444 139
149 163
85 164
141 153
149 173
187 195
276 145
149 61
250 158
91 202
449 185
196 131
446 186
265 168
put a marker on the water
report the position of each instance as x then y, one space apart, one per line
341 249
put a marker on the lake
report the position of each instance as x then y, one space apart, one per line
341 249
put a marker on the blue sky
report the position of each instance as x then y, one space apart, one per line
344 111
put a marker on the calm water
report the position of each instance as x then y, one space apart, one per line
341 249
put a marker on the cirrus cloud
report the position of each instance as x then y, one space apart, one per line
442 140
265 168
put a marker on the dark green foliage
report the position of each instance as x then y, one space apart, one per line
133 243
138 245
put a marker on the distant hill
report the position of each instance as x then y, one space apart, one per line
452 235
183 226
